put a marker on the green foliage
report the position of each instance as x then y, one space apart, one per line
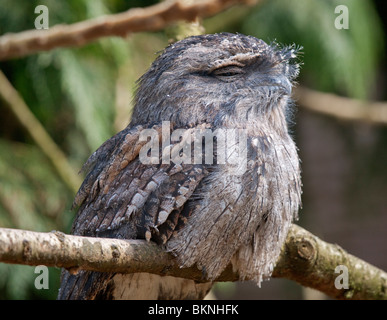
17 282
87 85
340 60
31 198
31 195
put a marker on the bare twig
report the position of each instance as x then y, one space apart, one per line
341 107
304 258
43 140
152 18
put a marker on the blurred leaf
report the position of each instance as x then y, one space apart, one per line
18 282
31 196
226 289
344 61
88 85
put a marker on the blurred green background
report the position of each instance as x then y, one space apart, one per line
82 96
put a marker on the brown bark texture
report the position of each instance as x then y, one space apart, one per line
305 259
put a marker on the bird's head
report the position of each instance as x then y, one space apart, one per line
212 78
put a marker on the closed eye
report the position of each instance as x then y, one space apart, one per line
227 71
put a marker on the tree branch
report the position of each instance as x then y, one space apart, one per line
304 258
152 18
341 107
312 262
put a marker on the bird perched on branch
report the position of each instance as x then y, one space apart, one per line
159 180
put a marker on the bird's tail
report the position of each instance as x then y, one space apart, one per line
88 285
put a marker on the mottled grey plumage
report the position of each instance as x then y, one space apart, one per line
204 214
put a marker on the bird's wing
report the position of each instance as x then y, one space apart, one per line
122 197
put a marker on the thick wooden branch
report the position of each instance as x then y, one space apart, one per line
152 18
312 262
341 107
304 258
